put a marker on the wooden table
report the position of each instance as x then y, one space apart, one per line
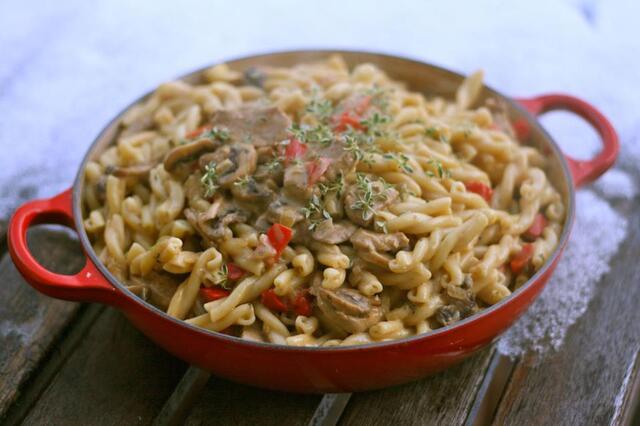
68 363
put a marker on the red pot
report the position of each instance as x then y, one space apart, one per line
335 369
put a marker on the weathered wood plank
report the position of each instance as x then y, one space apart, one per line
443 399
223 402
115 376
589 380
30 322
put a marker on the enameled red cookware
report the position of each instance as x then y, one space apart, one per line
340 369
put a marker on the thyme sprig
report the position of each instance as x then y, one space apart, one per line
320 134
221 277
322 109
218 133
209 179
443 172
401 159
315 212
369 194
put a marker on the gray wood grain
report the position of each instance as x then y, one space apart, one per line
443 399
31 323
227 403
115 376
588 381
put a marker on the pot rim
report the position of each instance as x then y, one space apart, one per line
457 326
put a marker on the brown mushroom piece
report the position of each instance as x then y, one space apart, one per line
158 287
255 195
213 225
259 126
333 233
233 162
295 184
347 309
380 196
374 246
286 214
138 170
189 152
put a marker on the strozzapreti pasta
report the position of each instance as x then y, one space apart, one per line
319 206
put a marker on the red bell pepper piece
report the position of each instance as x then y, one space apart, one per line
317 168
345 120
302 305
200 130
536 228
295 149
480 188
271 300
279 237
521 259
209 294
522 129
234 272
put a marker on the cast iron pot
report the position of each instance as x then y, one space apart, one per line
335 369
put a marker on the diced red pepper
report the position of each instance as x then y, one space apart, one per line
536 228
209 294
200 130
295 149
317 168
480 188
234 272
362 106
302 304
522 129
271 300
279 237
345 120
521 259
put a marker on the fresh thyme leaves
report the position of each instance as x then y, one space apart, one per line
221 277
274 164
442 171
374 124
359 144
369 194
401 159
320 134
352 146
322 109
314 212
209 179
379 97
336 185
244 181
219 134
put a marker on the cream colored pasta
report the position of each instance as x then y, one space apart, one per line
319 205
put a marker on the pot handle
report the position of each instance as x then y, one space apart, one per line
88 285
583 171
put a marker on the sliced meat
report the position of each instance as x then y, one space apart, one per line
233 162
347 309
189 152
258 125
377 196
158 287
333 233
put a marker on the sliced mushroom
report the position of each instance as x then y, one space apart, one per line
333 233
255 195
213 225
233 162
158 286
286 214
254 76
295 183
189 152
346 309
374 246
138 170
259 126
380 198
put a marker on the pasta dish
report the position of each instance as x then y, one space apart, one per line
318 205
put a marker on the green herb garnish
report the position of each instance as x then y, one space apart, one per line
221 277
401 159
209 179
442 171
219 134
322 109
